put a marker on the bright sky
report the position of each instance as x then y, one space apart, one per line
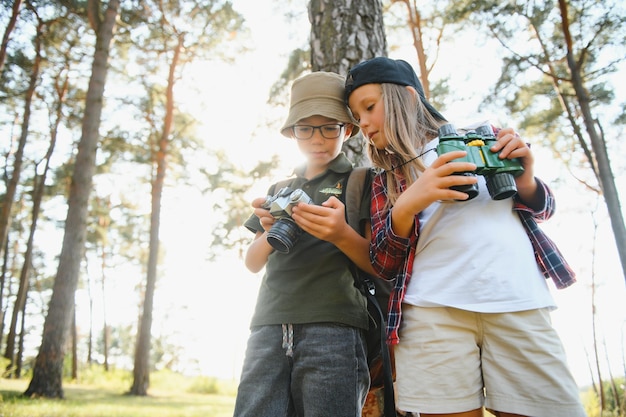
210 304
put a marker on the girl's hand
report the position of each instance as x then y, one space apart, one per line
432 185
510 145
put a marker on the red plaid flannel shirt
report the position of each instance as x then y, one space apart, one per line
392 256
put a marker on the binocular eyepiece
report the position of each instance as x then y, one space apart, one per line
499 173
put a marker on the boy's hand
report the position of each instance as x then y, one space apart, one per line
326 222
266 219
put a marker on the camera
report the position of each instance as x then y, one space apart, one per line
285 232
499 173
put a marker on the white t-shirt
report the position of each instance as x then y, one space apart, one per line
457 263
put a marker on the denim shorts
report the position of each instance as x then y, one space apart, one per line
303 370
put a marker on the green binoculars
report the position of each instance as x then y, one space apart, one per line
499 173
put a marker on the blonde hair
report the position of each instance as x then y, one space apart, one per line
408 127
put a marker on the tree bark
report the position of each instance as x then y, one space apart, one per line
344 33
606 177
48 369
10 195
415 23
141 370
7 32
5 214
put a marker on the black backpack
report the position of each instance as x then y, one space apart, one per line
377 292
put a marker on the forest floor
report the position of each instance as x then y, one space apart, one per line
94 401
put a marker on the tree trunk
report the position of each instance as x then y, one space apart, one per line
8 203
20 348
48 369
7 32
74 340
5 214
606 177
141 370
415 23
5 260
22 293
344 33
105 327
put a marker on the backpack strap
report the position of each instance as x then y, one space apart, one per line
359 179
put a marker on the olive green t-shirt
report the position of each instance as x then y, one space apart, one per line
312 283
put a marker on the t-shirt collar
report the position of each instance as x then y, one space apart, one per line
341 164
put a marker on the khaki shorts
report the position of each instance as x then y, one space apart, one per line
449 361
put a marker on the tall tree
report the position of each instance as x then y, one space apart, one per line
427 29
577 65
15 12
344 33
555 78
182 32
6 212
46 32
48 370
141 369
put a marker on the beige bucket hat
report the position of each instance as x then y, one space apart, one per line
318 93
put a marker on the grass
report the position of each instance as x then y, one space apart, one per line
96 401
100 394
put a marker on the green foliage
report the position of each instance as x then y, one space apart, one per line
4 362
204 385
227 184
548 97
615 399
621 119
613 407
592 403
299 62
97 377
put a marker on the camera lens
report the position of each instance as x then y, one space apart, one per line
283 235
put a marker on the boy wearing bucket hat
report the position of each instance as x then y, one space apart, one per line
306 354
469 313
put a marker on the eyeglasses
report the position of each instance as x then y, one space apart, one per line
328 131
